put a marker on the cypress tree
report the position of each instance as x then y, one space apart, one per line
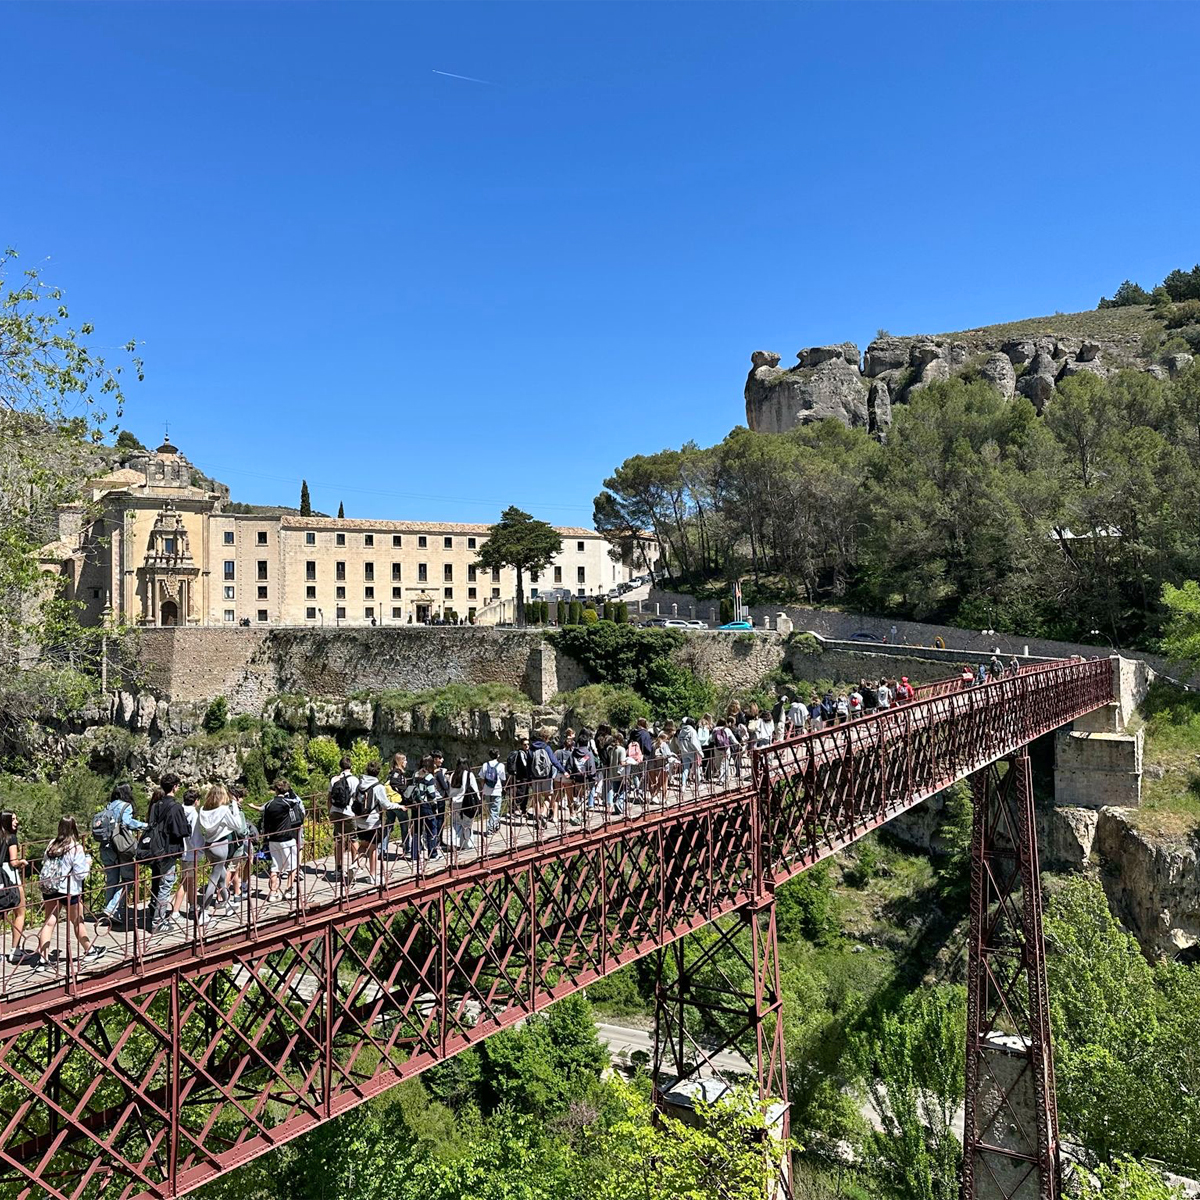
305 502
341 510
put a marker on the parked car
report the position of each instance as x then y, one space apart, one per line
696 624
863 636
736 627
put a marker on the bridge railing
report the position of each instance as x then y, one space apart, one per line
821 791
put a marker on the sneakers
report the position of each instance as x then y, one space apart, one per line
42 965
273 897
230 910
94 953
166 925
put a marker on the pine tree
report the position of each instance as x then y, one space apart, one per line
341 510
305 502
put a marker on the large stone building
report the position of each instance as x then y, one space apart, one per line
156 543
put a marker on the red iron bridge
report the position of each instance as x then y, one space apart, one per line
178 1057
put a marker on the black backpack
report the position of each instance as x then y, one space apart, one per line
339 793
364 800
151 844
295 812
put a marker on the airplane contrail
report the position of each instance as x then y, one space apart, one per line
468 78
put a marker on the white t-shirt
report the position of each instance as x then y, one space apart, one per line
195 839
798 714
493 789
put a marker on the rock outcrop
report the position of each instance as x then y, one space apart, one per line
828 381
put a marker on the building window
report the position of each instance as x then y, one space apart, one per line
369 571
310 569
397 594
310 538
310 593
422 542
581 575
395 572
229 593
369 611
229 568
470 543
310 614
341 613
262 591
470 593
368 593
471 573
368 539
228 537
495 574
262 568
397 613
422 573
579 547
495 593
229 614
471 615
341 539
448 593
448 573
533 593
262 537
558 574
168 545
339 570
448 543
339 593
262 614
533 577
396 539
581 593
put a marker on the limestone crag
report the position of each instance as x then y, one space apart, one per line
828 381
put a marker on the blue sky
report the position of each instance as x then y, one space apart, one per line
433 297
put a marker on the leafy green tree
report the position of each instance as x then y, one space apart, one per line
1128 293
1126 1180
216 717
520 542
912 1064
1181 637
305 501
128 441
56 397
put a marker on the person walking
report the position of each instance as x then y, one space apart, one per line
464 805
223 826
688 741
516 772
282 819
722 745
369 807
65 868
12 883
396 784
441 781
115 830
167 814
193 851
342 788
421 820
544 765
492 775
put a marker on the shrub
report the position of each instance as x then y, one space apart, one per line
325 755
216 717
1187 312
675 691
589 616
598 703
361 753
621 613
575 613
726 610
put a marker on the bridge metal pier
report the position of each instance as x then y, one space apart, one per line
1011 1148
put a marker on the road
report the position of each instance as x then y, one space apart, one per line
623 1042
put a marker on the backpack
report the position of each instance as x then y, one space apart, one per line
540 766
339 793
721 737
582 763
490 775
634 751
612 755
295 811
512 764
104 826
55 874
364 800
151 844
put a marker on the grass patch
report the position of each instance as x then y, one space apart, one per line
1134 320
452 699
1171 764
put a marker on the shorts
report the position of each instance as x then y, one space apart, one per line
370 837
343 823
283 857
10 897
51 894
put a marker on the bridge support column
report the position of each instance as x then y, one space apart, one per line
707 1014
1011 1149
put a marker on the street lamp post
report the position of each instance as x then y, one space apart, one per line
321 614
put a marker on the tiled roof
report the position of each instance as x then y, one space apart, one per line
297 522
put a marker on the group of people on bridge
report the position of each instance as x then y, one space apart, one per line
204 853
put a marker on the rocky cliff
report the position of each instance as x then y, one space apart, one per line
1028 358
